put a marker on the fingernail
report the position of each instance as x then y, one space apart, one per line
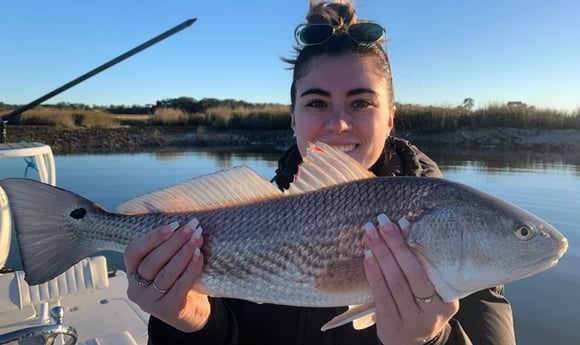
197 252
193 223
383 219
173 226
371 231
404 224
370 258
197 233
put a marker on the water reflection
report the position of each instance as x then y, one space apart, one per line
494 162
228 159
222 156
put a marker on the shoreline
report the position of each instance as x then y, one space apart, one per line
158 138
146 139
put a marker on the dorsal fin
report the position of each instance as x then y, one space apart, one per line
229 187
323 166
326 166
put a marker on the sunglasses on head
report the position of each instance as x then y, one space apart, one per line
312 34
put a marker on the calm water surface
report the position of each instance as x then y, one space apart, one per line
546 306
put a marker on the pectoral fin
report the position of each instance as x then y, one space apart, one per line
362 316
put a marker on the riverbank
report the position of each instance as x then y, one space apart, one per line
146 138
153 138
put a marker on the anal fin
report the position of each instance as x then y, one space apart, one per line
362 316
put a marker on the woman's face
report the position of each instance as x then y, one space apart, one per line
343 101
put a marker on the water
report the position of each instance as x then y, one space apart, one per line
545 305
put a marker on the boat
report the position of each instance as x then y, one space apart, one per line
85 305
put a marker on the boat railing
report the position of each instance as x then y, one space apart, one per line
43 334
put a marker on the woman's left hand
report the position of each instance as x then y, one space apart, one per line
408 309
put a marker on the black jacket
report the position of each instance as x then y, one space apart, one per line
484 318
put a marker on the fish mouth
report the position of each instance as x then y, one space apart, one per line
563 247
546 262
537 266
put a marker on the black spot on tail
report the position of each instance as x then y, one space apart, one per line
79 213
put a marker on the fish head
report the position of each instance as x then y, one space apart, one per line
468 240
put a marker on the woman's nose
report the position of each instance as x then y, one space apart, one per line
339 121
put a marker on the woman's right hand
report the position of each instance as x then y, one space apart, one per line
162 267
408 309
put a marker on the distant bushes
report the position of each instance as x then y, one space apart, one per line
232 114
4 108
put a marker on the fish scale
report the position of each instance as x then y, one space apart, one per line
288 249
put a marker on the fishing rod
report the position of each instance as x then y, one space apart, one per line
5 118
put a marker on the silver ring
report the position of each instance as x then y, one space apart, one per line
140 280
158 289
424 299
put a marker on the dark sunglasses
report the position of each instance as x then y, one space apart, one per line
312 34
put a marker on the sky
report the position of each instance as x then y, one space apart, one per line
441 52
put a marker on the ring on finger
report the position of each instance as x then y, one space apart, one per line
140 280
158 289
424 299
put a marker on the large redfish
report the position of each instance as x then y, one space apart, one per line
303 247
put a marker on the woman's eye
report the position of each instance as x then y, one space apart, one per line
316 104
361 103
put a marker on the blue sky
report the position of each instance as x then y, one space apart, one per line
441 52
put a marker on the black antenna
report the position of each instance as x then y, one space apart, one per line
5 118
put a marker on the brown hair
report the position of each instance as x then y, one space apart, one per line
336 13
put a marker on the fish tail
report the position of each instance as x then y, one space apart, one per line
47 225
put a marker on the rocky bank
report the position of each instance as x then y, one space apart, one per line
140 139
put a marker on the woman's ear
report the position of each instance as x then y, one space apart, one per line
392 116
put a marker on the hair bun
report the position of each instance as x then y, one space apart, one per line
333 13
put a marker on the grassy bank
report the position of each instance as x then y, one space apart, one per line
441 119
409 118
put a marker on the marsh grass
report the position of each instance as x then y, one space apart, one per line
430 119
168 117
259 118
67 118
409 117
223 117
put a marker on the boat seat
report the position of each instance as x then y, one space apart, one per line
86 276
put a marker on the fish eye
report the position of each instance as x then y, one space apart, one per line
524 232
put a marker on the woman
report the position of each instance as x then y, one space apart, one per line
342 95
